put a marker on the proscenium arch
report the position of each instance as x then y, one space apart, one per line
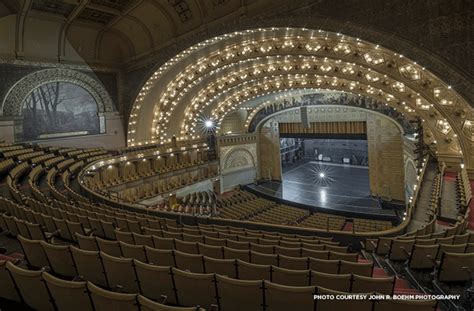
277 99
194 82
12 104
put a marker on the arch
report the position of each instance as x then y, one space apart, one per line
221 73
238 158
15 97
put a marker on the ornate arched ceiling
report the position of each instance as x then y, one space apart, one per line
221 73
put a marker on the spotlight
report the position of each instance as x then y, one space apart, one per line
322 175
209 123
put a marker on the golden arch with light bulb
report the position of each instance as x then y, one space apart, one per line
220 74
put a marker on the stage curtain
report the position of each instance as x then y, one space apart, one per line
348 127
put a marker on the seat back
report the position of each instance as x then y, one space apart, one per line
400 249
293 263
120 273
160 257
34 253
133 251
60 259
420 256
290 277
89 266
31 288
156 282
277 297
339 282
250 271
68 295
195 289
7 289
326 266
456 267
189 262
359 268
107 300
111 248
248 294
225 267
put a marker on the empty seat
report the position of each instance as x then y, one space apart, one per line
340 282
318 254
343 256
292 252
68 295
107 300
250 271
160 257
237 244
120 273
156 282
237 295
226 267
89 266
264 249
189 262
363 284
359 268
195 289
86 242
7 289
186 247
401 249
283 298
111 248
450 248
163 243
60 259
133 251
211 251
150 305
264 259
31 287
456 267
293 263
34 253
141 239
230 253
291 277
423 256
124 237
326 266
63 229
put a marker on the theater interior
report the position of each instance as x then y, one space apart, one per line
258 155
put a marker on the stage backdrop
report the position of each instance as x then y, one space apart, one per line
59 109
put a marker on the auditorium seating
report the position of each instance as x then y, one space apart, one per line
113 255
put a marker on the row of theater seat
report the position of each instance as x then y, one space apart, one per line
44 292
188 288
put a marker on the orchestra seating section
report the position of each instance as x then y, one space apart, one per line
86 252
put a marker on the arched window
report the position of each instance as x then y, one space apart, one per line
58 109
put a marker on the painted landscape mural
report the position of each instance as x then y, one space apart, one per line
59 109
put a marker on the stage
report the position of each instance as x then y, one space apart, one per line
341 189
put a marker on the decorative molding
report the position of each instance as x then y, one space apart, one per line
15 97
238 157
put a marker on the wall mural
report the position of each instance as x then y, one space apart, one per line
58 109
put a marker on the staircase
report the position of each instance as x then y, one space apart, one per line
424 197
